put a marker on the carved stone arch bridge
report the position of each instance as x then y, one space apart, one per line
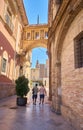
34 36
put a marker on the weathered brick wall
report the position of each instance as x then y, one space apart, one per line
6 90
72 79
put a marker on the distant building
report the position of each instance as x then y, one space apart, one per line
35 74
47 68
37 64
41 73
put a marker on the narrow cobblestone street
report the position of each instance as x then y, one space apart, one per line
31 117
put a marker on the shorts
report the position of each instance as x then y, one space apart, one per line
34 97
42 96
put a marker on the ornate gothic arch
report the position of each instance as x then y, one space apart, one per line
57 33
69 16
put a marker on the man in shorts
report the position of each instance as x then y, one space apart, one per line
34 92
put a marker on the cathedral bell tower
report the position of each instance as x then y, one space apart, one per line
37 64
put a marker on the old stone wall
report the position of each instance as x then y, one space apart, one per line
66 80
71 77
6 90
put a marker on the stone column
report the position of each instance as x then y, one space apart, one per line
53 89
57 85
50 77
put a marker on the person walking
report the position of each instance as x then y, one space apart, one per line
34 93
42 91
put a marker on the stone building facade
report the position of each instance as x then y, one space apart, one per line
41 73
12 20
65 50
34 74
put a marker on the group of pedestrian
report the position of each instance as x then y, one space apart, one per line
42 93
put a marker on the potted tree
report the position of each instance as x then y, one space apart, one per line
22 90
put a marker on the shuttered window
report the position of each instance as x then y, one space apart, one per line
4 63
79 51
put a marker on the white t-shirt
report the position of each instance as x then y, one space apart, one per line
35 89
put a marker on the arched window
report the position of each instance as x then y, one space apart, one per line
4 62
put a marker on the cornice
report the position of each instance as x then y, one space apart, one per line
33 26
45 24
13 6
18 6
22 12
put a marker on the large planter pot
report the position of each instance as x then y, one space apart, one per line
21 101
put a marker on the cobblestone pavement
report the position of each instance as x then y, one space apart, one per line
31 117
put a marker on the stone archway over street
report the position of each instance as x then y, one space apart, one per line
34 36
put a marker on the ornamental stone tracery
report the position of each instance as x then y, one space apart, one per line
35 36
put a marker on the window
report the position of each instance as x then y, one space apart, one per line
28 36
37 35
8 19
46 35
4 62
78 46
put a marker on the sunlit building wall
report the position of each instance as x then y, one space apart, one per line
35 74
12 20
65 50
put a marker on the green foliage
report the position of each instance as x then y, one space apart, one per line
22 87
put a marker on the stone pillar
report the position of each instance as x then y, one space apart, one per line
53 90
57 88
58 66
32 35
50 77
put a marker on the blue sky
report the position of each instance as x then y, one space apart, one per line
33 9
40 55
